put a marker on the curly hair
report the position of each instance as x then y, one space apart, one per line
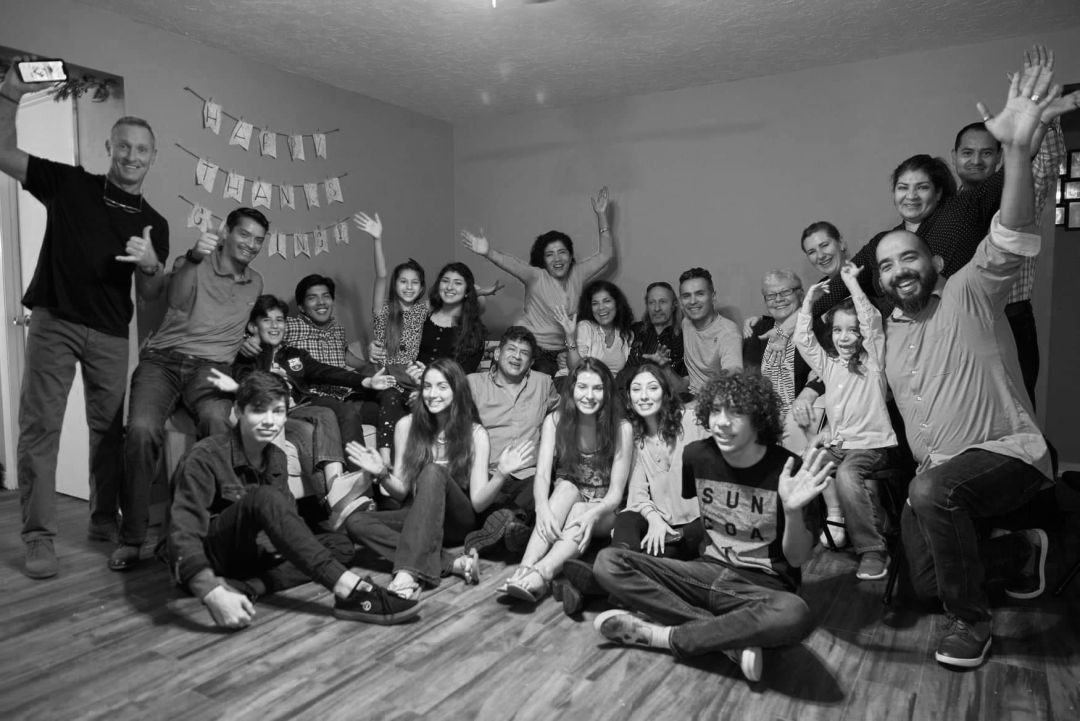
471 330
624 315
458 429
745 393
668 420
540 245
855 362
608 417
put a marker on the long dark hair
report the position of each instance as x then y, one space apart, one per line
471 331
624 315
457 431
608 416
395 318
855 362
540 245
668 420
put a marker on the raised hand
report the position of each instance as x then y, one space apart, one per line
817 290
206 244
600 202
1029 95
13 86
515 457
382 380
567 321
476 242
224 383
799 488
140 251
365 458
228 608
371 226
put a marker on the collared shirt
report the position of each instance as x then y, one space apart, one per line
512 414
208 319
953 367
326 345
647 342
720 341
854 402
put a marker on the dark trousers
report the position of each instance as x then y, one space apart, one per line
314 432
1022 321
348 416
939 527
231 546
163 380
53 347
392 407
711 606
546 361
631 527
413 536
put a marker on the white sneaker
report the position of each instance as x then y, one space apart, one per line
749 660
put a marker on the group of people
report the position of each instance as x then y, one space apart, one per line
704 460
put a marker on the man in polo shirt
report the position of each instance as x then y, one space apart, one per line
100 232
211 291
711 342
512 402
953 369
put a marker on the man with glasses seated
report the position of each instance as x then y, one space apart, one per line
100 232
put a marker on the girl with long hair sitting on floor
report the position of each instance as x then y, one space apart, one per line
442 464
581 468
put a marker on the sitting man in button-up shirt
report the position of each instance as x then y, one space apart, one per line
952 365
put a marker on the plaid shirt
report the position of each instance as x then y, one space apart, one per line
326 345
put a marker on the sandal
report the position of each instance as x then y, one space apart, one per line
524 590
467 566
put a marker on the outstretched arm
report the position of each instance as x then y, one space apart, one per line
13 161
479 244
594 265
373 227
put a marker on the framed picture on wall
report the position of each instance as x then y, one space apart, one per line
1073 220
1072 190
1059 215
1063 166
1057 190
1074 164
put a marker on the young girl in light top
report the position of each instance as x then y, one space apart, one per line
859 431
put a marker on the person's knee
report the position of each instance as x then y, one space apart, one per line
923 494
608 564
144 429
798 619
214 418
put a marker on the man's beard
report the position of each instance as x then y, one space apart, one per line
912 304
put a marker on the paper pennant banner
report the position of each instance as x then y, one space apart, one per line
277 244
320 144
311 192
341 233
199 217
241 134
300 244
212 116
296 147
321 244
268 142
234 186
205 174
286 197
261 192
333 191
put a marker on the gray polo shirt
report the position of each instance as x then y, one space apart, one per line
511 414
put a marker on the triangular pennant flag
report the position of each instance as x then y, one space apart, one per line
311 192
341 233
205 174
296 147
320 144
277 244
241 134
234 186
199 217
261 191
268 142
300 244
321 246
333 191
286 197
211 116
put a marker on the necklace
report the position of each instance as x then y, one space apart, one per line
658 451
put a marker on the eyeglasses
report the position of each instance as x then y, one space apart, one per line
113 203
779 295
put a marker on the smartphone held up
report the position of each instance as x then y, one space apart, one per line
42 71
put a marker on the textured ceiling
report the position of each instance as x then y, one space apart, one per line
454 59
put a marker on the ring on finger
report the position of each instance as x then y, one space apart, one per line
1035 97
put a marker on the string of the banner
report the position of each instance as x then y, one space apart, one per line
250 180
217 217
227 114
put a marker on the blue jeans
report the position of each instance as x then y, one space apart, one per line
864 516
413 536
938 527
53 347
162 380
712 606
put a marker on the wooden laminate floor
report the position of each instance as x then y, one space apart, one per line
96 644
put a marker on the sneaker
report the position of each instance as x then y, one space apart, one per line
625 628
749 660
963 644
124 558
1032 581
103 533
580 573
491 532
349 494
375 605
40 559
834 535
517 536
873 566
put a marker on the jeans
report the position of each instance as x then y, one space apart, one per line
231 547
413 536
864 515
631 527
712 606
938 527
53 347
161 381
350 425
314 432
1022 321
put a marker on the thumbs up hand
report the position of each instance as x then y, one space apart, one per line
140 251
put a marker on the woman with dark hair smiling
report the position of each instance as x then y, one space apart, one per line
602 328
553 278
